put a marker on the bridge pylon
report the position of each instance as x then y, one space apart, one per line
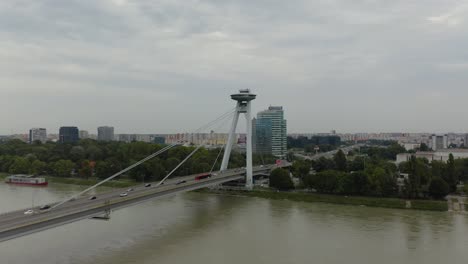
243 106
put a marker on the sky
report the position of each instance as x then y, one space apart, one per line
167 66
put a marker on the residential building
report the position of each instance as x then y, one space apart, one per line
83 134
159 140
439 142
270 134
206 139
439 155
68 134
127 137
105 133
37 134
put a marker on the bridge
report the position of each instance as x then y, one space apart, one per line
16 224
80 206
328 154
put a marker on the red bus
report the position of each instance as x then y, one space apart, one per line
202 176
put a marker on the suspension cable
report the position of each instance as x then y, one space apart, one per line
146 159
225 117
178 166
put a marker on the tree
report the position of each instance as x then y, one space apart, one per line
419 172
279 179
63 168
156 169
450 175
38 167
77 153
340 160
323 164
438 188
86 170
93 153
324 182
357 164
423 147
355 183
20 165
300 168
171 163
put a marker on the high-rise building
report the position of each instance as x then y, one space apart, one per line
83 134
37 134
439 142
68 135
269 129
105 133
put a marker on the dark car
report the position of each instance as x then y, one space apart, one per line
44 207
148 185
180 182
93 198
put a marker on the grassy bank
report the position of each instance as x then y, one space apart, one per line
78 181
336 199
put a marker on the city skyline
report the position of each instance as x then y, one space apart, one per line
351 67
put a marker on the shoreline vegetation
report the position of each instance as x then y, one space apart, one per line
395 203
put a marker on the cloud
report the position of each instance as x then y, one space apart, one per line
133 61
454 17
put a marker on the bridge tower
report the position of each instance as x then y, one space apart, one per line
243 98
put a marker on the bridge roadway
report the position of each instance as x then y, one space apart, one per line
16 224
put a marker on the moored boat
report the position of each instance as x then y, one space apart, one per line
23 179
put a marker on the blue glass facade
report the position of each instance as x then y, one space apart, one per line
69 135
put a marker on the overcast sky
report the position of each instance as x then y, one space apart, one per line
164 66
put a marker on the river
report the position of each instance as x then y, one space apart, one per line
203 228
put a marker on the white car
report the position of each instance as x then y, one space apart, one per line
123 194
29 212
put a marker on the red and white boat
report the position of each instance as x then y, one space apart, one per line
26 180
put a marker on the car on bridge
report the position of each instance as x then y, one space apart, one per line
29 212
180 182
44 207
148 185
123 194
202 176
130 189
93 198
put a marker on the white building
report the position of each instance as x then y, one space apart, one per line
83 134
439 142
440 155
37 134
105 133
410 146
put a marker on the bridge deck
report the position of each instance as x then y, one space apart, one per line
16 224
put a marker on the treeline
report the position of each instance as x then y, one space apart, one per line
101 159
422 173
374 175
388 150
359 176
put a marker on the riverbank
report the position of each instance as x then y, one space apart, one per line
428 205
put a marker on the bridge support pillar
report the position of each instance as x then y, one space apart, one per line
243 98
